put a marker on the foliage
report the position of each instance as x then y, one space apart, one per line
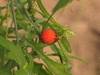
15 53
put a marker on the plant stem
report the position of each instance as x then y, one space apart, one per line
60 58
47 22
15 22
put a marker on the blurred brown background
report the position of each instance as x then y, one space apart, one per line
84 21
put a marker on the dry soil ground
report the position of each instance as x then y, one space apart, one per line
84 21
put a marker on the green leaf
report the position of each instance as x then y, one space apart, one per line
15 52
48 70
27 69
2 31
70 56
57 68
23 27
42 20
30 60
61 4
66 44
54 48
38 69
63 52
1 57
6 69
44 11
39 45
32 35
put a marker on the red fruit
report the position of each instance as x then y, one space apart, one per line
48 36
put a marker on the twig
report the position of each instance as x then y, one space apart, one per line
15 23
47 21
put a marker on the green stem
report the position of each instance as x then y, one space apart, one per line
60 58
15 22
47 22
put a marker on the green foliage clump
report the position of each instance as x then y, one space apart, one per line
15 52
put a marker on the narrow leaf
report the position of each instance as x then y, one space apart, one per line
54 48
63 52
66 44
61 4
70 56
27 69
38 69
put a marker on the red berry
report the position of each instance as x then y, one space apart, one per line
48 36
